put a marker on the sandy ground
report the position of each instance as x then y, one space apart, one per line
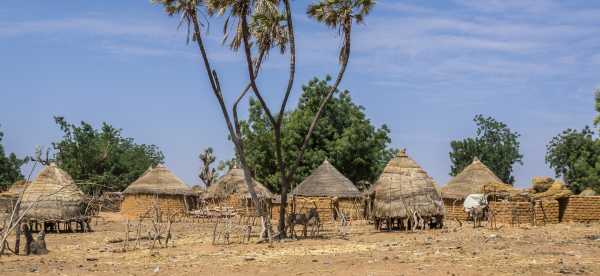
544 250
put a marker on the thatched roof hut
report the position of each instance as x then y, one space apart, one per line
233 183
53 196
471 181
158 181
158 186
327 181
403 188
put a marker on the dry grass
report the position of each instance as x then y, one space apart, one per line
549 250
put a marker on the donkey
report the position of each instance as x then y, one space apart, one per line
311 217
477 213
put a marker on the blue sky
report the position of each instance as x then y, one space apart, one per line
424 68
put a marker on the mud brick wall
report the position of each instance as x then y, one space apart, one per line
455 210
581 208
137 205
545 211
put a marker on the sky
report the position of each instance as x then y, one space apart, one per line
424 68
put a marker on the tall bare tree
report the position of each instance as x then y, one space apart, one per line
258 26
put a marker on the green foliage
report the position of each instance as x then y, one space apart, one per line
575 155
343 135
102 160
494 144
10 167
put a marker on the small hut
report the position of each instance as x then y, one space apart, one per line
405 194
231 192
476 178
54 199
330 192
158 186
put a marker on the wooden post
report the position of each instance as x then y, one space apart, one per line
17 239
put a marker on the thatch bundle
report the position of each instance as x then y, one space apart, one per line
472 181
557 190
403 189
233 183
53 196
541 183
327 181
158 181
588 192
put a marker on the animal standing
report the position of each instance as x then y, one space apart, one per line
311 217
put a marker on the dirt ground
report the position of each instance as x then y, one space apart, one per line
543 250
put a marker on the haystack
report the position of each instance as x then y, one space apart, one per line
231 191
157 186
404 190
557 190
330 192
588 192
53 196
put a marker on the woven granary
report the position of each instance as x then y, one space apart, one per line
328 190
158 186
403 189
53 196
231 191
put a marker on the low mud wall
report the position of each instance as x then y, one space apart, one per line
580 209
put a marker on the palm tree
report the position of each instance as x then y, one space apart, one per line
336 14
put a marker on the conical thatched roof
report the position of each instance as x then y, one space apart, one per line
470 181
326 180
403 188
233 183
53 195
158 181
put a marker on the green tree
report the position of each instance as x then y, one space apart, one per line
575 155
208 174
102 160
494 144
10 167
343 135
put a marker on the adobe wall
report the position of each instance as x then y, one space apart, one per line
581 208
516 213
455 210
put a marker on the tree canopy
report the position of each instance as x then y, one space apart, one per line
10 167
102 160
494 144
575 155
343 135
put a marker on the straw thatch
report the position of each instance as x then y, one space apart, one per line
541 183
471 181
158 181
557 190
327 181
16 189
53 196
588 192
405 188
233 183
